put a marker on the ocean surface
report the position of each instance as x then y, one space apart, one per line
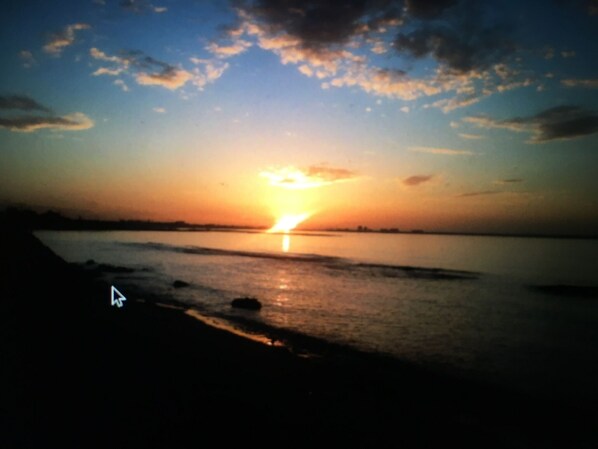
472 306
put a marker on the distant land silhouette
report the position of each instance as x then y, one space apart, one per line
28 219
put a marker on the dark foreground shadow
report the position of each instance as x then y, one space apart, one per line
76 372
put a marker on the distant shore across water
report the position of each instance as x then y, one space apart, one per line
51 220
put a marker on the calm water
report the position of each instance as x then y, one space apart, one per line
476 317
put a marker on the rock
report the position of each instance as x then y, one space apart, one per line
180 284
246 303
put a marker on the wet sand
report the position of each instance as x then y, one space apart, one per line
77 372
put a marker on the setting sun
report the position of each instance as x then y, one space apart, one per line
287 223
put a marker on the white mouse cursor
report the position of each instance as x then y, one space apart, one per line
116 297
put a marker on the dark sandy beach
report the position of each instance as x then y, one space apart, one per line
76 372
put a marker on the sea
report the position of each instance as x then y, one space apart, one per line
511 311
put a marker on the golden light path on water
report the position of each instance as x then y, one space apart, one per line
285 225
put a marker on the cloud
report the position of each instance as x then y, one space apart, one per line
141 6
471 136
99 54
146 70
416 180
442 151
226 51
22 103
57 42
482 193
333 42
159 110
107 71
587 83
462 45
169 78
120 83
27 57
560 122
310 177
509 181
71 122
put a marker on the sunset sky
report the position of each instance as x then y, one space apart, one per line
441 115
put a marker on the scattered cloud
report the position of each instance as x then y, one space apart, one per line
120 83
561 122
568 54
159 110
71 122
226 51
416 180
21 102
310 177
482 193
588 83
107 71
442 151
405 109
141 6
57 42
471 136
27 58
508 181
327 40
148 71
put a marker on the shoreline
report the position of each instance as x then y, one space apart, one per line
152 376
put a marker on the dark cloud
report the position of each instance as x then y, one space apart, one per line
140 6
320 23
561 122
22 103
427 9
416 180
457 35
72 122
460 34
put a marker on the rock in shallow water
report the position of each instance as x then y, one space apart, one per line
180 284
246 303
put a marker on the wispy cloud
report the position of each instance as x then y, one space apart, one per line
306 178
471 136
141 6
416 180
508 181
561 122
587 83
57 42
159 110
120 83
481 193
442 151
27 58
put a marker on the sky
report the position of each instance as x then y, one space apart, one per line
442 115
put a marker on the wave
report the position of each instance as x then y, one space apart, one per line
331 262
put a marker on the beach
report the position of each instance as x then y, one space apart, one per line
78 372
